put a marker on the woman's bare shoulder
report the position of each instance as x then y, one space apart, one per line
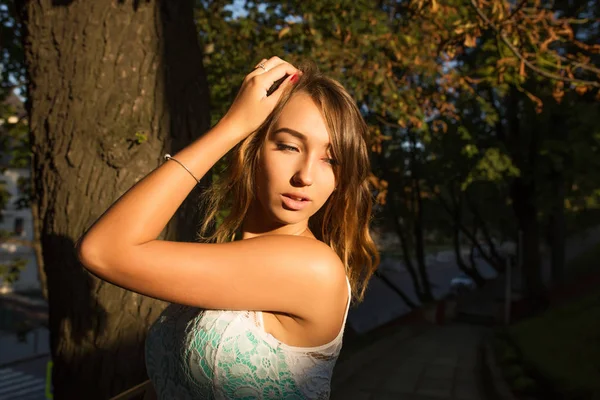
281 273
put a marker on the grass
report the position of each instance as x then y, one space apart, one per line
563 345
556 355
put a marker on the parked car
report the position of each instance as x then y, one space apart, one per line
461 284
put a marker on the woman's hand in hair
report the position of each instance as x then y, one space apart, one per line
252 105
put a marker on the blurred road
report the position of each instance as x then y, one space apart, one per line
382 304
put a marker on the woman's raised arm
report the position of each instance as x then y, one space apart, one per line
141 214
289 274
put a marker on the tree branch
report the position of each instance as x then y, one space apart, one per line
515 11
399 228
582 66
395 289
486 233
462 228
382 120
517 53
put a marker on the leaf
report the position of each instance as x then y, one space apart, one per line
493 166
440 125
209 48
558 92
522 69
470 41
470 150
141 137
538 103
284 31
581 89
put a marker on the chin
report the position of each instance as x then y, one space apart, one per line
288 217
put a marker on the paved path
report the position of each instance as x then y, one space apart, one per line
427 362
439 363
16 384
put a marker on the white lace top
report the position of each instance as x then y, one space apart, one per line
214 354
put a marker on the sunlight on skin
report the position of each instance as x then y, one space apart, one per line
294 160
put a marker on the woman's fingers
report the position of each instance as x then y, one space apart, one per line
287 72
278 72
262 62
273 70
272 63
282 71
264 66
254 101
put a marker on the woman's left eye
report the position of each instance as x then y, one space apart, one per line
331 161
282 146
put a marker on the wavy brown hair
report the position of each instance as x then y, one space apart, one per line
343 221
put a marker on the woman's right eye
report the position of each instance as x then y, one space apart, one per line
282 146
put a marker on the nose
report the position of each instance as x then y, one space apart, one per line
304 173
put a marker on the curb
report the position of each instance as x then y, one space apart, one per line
493 382
19 298
24 360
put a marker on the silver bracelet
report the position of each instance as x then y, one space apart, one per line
168 157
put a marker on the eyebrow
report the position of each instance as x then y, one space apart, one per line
292 132
296 134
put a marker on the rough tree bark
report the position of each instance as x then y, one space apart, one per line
101 72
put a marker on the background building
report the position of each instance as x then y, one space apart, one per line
15 219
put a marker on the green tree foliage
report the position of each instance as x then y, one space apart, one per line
444 73
429 70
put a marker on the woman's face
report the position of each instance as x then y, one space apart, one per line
295 175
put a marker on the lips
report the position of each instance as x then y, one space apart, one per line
294 201
297 196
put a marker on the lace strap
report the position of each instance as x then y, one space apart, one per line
347 305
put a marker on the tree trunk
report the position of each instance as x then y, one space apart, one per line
456 224
558 228
419 242
558 183
526 213
417 209
393 199
524 146
400 229
112 87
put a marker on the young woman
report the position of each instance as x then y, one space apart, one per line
261 317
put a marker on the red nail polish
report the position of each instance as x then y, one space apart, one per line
294 78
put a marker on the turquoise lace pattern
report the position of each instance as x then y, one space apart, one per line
215 354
